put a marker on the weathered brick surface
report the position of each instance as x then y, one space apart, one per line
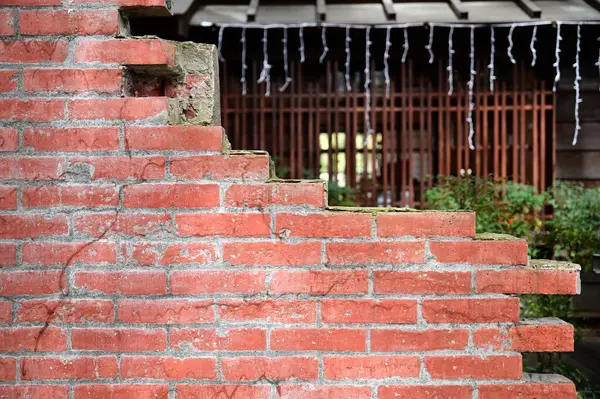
141 258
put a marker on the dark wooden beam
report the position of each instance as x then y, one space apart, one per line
321 11
388 7
252 10
530 9
458 9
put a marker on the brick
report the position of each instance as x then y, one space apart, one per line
527 281
272 253
226 391
351 253
59 196
69 254
425 392
7 27
166 311
122 167
472 310
108 224
151 254
429 282
126 3
224 224
33 51
8 369
128 391
320 282
28 3
370 367
168 368
318 339
8 197
274 194
32 283
171 196
33 339
65 311
544 390
538 335
5 312
491 367
279 368
221 167
32 168
8 255
320 392
77 368
174 138
123 283
71 22
273 311
72 80
32 226
426 224
126 51
511 252
324 225
9 138
8 81
209 340
396 340
211 282
388 311
72 139
119 340
32 110
127 109
34 391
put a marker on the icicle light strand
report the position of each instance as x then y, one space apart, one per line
450 67
301 35
429 46
556 64
471 86
244 66
286 66
511 44
532 46
491 66
348 59
386 57
576 86
405 45
325 48
220 45
367 86
265 74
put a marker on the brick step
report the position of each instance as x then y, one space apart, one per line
531 386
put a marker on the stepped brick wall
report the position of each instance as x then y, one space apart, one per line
141 258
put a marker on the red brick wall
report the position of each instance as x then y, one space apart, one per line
147 261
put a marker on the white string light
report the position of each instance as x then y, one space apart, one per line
471 86
325 48
348 55
576 86
510 44
220 45
244 66
286 67
491 66
450 67
301 34
556 64
430 44
367 86
405 45
532 45
386 56
265 74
